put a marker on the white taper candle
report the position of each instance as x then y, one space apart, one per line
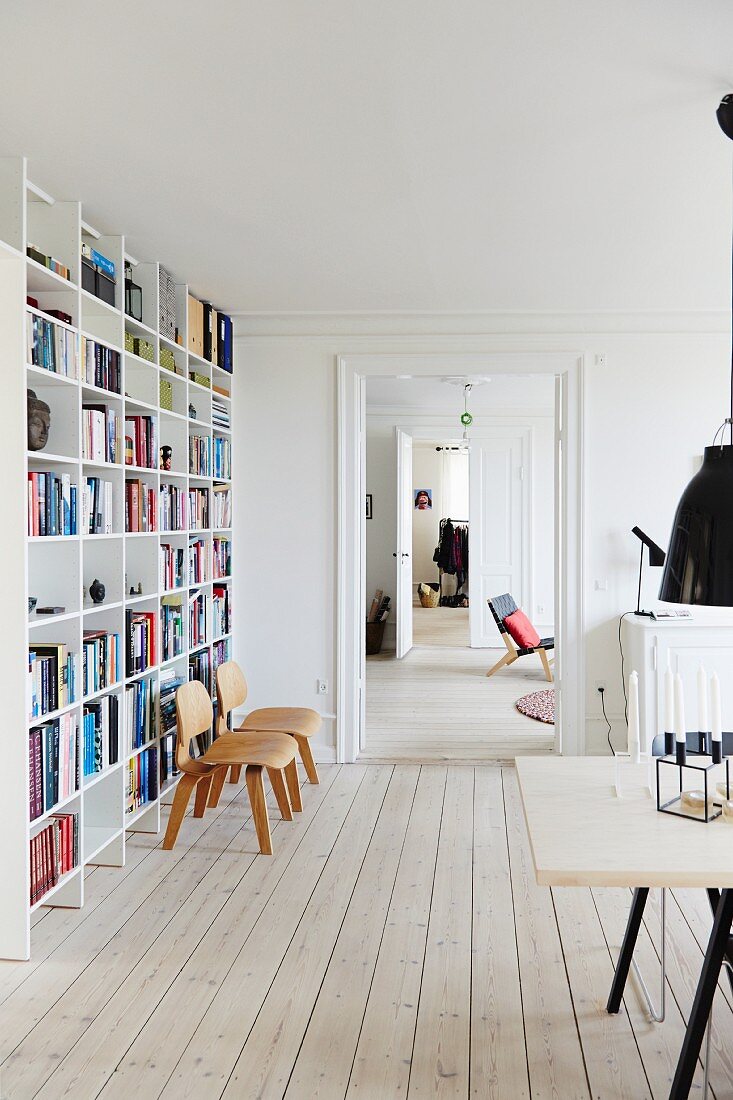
634 745
669 700
702 699
716 720
679 710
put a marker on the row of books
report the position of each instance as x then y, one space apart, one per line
170 571
101 734
210 333
168 766
199 668
51 504
221 606
219 414
101 366
199 455
169 685
142 780
141 649
100 440
101 661
53 672
222 457
50 346
220 653
198 509
54 851
96 507
197 620
140 445
171 627
139 713
198 562
222 509
52 764
141 506
173 510
222 557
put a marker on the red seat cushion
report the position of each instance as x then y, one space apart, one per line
521 630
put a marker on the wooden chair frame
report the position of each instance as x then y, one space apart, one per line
501 606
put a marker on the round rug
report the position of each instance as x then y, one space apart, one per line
540 705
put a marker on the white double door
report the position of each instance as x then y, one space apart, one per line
499 497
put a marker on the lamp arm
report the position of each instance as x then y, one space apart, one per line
638 594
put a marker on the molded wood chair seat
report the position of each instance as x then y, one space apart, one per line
299 722
274 751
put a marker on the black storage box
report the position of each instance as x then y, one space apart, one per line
88 276
105 288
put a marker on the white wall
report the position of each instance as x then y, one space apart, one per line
648 414
427 473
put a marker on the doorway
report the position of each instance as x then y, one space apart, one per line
353 370
434 496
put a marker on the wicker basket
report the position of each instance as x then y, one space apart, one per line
429 595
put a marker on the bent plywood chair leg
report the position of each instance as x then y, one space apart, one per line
291 775
277 781
505 660
202 795
178 810
217 786
545 665
234 773
256 791
307 757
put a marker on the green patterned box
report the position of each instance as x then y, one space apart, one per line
201 379
144 349
166 395
167 359
129 341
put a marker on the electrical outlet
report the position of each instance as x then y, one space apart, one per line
601 359
322 687
600 685
540 609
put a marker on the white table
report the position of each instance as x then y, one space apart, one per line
582 835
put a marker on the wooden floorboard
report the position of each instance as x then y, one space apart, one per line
395 945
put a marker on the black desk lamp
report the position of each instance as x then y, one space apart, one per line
656 557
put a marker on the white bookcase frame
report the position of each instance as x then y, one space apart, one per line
57 569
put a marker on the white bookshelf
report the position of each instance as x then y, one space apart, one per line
58 569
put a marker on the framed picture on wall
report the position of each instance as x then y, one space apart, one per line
423 500
369 506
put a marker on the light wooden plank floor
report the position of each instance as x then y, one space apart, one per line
396 945
437 704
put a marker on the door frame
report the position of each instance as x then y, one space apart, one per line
567 367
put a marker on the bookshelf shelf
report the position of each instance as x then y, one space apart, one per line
59 568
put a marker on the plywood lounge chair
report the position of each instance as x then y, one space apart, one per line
194 715
300 723
514 624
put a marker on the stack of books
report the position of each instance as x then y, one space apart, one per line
100 365
222 458
54 852
140 444
96 507
198 559
222 610
51 504
52 677
222 557
219 414
198 509
52 764
171 566
101 734
169 685
173 511
199 455
222 517
100 433
141 647
141 506
196 620
142 785
171 626
139 713
101 661
50 346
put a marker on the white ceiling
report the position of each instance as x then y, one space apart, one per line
390 155
526 392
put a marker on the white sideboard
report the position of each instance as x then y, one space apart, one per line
649 645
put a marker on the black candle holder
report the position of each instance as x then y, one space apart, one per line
707 815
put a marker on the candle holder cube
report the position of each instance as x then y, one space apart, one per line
711 808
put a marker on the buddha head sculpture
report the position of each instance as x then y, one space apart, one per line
39 422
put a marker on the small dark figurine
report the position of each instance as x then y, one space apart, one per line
191 412
97 591
166 456
39 422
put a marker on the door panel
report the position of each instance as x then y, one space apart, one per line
403 552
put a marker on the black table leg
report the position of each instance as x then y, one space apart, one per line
714 898
627 948
716 952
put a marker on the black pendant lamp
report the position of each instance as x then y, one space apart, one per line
699 565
